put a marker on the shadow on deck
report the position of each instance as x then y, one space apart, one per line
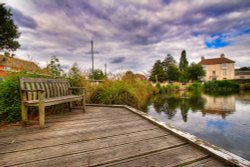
102 136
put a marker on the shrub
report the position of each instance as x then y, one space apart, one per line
195 87
134 94
171 88
221 86
247 86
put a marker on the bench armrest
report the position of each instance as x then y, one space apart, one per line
36 90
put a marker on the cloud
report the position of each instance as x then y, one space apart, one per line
140 32
23 20
117 60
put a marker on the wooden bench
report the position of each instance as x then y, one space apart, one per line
42 92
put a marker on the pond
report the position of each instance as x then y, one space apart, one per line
221 120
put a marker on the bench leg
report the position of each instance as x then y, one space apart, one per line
83 104
24 114
70 106
41 115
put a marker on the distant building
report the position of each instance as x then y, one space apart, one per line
11 64
242 74
218 68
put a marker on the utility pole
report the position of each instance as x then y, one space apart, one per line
105 69
92 53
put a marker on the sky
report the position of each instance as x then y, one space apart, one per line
131 34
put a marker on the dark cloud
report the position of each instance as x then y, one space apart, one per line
117 60
24 20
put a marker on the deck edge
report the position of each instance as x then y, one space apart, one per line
218 152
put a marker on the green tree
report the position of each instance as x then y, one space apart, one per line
97 74
8 31
195 72
54 67
157 73
183 61
169 59
75 75
173 73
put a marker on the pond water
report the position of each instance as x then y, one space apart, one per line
221 120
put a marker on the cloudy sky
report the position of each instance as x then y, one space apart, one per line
131 34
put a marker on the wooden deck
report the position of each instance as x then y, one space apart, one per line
102 136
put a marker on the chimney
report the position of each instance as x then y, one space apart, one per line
222 55
202 58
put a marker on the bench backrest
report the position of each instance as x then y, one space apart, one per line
52 87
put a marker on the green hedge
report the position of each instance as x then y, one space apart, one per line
221 86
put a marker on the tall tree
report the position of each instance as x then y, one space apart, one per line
157 73
173 73
168 60
195 72
8 31
183 61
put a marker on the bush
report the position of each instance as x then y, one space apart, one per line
10 100
171 88
195 87
134 94
246 86
221 86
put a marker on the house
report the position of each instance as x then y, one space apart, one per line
242 74
218 68
10 64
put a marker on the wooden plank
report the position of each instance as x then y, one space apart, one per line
209 162
55 132
91 153
80 137
29 94
169 157
34 94
46 90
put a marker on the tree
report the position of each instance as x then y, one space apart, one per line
173 72
195 72
168 60
157 73
97 74
75 75
54 67
244 69
183 61
8 31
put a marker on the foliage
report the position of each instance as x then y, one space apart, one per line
54 67
167 61
9 100
195 72
8 31
97 74
75 75
183 61
244 69
196 86
173 73
135 94
221 86
157 72
168 89
246 86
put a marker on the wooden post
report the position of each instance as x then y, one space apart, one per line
24 110
41 107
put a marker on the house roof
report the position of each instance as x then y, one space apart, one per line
18 63
220 60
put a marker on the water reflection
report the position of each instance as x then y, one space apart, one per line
206 104
221 120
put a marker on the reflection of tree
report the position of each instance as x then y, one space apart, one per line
184 107
166 105
169 105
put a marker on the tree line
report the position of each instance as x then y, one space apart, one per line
169 70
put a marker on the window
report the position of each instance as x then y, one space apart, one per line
224 72
214 72
223 66
242 77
